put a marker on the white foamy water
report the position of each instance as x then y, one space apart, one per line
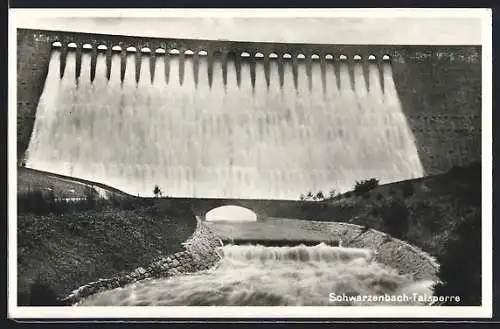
274 276
197 139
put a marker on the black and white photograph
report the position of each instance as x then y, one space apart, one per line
291 163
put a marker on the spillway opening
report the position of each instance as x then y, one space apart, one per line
231 213
256 275
221 126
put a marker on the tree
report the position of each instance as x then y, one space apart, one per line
90 196
320 196
309 195
157 191
302 197
332 193
365 185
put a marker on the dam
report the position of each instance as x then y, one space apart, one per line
224 119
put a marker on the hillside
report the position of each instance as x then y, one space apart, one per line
63 251
425 212
63 186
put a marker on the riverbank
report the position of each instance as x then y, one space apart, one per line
57 253
199 252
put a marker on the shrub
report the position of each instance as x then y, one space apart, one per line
338 197
433 218
41 202
332 194
460 268
396 218
37 202
361 187
408 189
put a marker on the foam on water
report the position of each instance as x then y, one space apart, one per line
198 134
272 276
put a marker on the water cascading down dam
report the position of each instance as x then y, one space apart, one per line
214 121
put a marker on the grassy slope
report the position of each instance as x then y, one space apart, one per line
66 251
437 206
64 187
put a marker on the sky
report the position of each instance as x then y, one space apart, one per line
327 30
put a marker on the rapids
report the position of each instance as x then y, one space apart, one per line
253 275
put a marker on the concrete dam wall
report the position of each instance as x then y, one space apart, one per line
241 119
